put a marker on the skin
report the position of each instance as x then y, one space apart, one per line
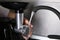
12 15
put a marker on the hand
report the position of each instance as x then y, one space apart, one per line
26 22
12 15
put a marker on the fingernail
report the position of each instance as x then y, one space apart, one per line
26 21
32 26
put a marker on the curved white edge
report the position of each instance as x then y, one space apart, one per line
41 38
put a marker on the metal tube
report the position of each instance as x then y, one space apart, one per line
31 17
19 19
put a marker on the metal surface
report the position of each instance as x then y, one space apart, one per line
41 38
32 14
47 8
19 20
33 0
46 22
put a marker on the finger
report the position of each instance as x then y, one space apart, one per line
26 21
25 38
31 25
30 33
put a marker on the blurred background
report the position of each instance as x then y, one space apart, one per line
45 22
